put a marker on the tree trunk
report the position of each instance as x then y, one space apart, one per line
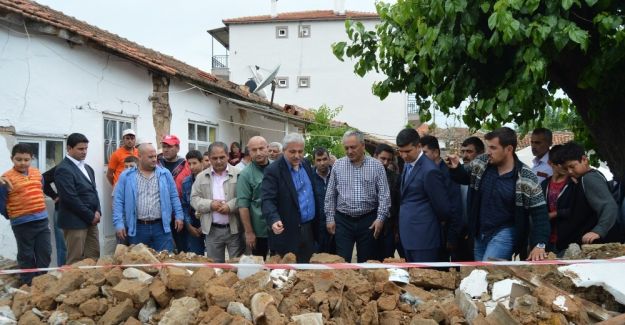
161 111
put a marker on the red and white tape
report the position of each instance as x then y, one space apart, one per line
329 266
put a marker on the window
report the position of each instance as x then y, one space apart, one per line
282 82
282 32
303 82
113 128
201 135
304 31
50 149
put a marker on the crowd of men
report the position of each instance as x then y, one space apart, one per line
268 198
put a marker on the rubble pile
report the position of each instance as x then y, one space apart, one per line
201 295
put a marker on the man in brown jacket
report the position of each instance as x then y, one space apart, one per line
214 200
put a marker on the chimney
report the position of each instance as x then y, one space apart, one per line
274 8
339 7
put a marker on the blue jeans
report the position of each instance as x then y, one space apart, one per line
500 245
59 240
153 236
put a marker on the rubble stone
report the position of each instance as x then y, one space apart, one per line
93 307
30 318
432 279
120 252
77 297
118 313
181 311
237 308
132 273
325 258
387 302
21 303
159 292
175 278
137 291
422 321
114 276
132 321
219 295
58 318
501 316
148 310
370 314
141 254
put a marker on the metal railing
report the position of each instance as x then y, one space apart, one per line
220 62
411 105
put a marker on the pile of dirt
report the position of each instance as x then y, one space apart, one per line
110 294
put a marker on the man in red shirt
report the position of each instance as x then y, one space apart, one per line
116 161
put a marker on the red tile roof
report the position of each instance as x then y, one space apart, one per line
313 15
109 42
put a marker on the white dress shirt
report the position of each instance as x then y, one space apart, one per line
541 167
81 165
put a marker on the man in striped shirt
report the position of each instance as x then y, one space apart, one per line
357 200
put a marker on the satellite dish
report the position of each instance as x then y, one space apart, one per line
251 85
268 80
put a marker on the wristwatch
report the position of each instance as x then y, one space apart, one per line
541 245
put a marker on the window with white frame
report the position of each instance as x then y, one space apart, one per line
303 82
113 128
282 32
282 82
201 135
304 31
47 152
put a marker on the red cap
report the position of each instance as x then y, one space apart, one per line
171 140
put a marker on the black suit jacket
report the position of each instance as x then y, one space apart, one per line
279 203
78 197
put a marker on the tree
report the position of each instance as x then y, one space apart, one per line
507 58
324 132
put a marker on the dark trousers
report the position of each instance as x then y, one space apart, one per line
355 229
386 245
180 238
306 246
463 251
34 248
422 255
326 242
261 248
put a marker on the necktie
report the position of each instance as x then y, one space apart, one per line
407 171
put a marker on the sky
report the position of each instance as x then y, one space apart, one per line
178 28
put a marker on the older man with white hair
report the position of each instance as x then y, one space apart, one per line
357 200
288 201
275 151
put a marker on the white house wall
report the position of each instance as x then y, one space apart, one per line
49 89
332 82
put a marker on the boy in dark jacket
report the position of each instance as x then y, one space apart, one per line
558 190
594 211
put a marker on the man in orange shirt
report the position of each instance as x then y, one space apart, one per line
116 162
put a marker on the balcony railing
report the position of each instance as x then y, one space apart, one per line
220 62
411 105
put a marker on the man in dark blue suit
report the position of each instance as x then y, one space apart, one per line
79 205
288 201
424 202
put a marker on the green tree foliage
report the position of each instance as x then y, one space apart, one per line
507 58
325 133
555 119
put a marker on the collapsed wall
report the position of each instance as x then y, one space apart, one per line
102 292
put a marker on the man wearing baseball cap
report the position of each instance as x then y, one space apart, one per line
179 169
116 161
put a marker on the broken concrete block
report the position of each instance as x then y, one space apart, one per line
586 275
7 314
468 307
432 279
475 284
237 308
132 273
148 310
118 313
137 291
159 292
252 263
175 278
259 304
181 311
308 319
58 318
501 316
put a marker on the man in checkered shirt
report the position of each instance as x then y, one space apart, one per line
357 200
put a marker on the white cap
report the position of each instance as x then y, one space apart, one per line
127 132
